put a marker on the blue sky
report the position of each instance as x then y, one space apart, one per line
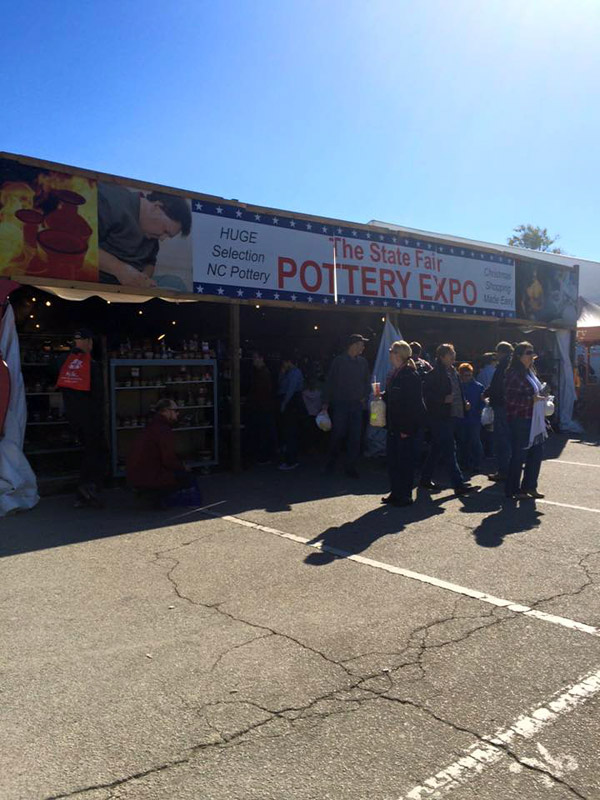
457 116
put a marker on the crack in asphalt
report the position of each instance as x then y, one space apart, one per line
413 654
487 741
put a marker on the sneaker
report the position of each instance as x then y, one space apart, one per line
389 499
465 488
429 485
286 467
408 501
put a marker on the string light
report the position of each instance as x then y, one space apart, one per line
31 316
316 327
37 325
140 313
257 306
383 319
161 337
34 299
48 303
173 323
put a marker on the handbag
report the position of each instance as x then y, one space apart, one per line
377 413
75 373
487 415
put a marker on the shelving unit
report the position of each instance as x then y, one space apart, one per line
136 385
50 445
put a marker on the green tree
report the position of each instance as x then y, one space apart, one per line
533 237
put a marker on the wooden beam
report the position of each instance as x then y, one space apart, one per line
234 356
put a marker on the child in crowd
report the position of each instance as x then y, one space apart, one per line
470 448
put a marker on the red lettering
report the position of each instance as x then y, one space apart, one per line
418 258
369 280
284 272
406 259
403 278
329 268
350 269
310 287
440 290
425 285
386 280
454 288
470 301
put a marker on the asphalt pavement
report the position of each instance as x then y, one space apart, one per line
298 639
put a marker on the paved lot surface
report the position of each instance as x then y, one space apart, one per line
306 643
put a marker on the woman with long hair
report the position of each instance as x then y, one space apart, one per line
404 414
525 403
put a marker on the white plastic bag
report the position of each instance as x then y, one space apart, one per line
487 415
549 407
377 413
323 421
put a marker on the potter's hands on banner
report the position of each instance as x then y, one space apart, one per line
125 274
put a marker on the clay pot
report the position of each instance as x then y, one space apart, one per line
31 220
64 253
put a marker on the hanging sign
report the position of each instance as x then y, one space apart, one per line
249 255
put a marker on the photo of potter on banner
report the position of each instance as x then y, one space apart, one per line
253 255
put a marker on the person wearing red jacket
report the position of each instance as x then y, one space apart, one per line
153 465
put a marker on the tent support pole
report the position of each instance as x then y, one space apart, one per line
234 355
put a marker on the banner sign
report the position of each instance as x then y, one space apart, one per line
250 255
71 226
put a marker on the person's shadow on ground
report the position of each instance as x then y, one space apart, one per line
358 535
509 516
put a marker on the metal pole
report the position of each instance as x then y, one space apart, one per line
234 355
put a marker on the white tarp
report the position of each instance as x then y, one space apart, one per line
567 383
18 486
376 437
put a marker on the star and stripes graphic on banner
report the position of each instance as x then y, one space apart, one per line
351 233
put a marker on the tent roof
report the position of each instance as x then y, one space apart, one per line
589 314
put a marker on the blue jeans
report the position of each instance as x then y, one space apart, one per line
502 446
401 465
443 448
347 426
470 448
530 457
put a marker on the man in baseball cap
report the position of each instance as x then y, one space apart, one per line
347 391
84 409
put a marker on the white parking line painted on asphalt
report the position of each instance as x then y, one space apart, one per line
574 463
567 505
516 608
491 748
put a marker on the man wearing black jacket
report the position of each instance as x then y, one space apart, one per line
495 393
445 402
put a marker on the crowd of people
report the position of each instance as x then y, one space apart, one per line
433 416
433 422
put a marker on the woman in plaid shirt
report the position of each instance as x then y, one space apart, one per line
525 413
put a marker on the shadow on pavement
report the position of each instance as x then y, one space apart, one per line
509 516
358 535
54 523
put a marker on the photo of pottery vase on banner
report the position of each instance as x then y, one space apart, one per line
58 225
48 223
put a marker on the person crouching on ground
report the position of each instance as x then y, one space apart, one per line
405 412
153 465
525 405
446 408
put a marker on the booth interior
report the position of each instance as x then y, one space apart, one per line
182 350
